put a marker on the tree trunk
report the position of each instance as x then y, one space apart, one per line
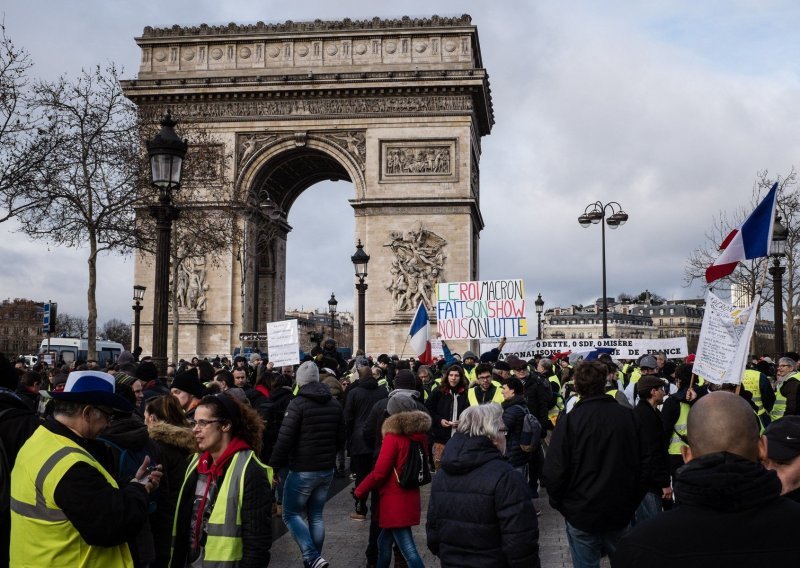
92 298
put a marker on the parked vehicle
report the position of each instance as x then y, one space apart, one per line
69 349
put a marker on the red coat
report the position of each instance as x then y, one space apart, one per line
398 507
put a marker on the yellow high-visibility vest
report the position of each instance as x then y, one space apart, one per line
680 429
41 534
472 398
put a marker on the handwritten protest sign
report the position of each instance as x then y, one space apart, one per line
724 340
673 347
283 342
481 309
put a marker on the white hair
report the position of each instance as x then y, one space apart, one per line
481 420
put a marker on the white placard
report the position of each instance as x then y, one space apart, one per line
673 347
724 340
283 343
436 348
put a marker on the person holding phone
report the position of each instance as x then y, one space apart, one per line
445 405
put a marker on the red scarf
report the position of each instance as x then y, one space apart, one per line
213 469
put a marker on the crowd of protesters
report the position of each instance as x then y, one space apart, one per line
122 467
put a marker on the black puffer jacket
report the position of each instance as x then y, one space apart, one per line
480 512
593 466
514 417
440 405
272 413
361 397
312 431
734 504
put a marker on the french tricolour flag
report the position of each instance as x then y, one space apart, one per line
419 336
750 240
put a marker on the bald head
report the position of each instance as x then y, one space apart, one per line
723 422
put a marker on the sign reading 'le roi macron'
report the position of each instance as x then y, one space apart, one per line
477 310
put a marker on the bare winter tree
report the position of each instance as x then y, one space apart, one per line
25 137
751 275
119 331
88 195
71 326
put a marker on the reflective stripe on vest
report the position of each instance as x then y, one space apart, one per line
472 398
751 381
675 442
41 534
224 546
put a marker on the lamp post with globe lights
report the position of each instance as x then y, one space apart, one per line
360 260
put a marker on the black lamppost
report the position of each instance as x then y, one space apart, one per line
777 251
360 260
539 303
166 153
332 303
138 296
595 213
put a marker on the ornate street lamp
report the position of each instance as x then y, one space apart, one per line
332 303
360 260
615 217
138 296
777 251
166 151
539 303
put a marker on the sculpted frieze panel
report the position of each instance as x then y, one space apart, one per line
413 159
418 264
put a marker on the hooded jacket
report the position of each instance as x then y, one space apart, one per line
514 418
399 507
175 444
478 494
311 433
361 397
377 416
734 504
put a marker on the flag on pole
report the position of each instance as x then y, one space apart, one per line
419 335
750 240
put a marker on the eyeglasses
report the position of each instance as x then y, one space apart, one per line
485 378
784 365
202 423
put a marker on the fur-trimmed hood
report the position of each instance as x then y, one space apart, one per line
407 423
177 436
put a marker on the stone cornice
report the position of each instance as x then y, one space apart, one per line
418 207
346 24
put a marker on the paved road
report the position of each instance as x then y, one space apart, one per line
346 540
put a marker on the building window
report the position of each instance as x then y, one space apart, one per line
660 321
672 311
589 336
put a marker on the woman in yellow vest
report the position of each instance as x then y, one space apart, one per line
224 514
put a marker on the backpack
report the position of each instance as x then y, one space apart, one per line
128 463
416 470
531 437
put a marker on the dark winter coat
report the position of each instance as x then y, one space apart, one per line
272 413
256 515
129 442
731 513
399 507
361 397
312 431
592 470
175 445
378 415
514 418
539 397
655 461
480 512
440 405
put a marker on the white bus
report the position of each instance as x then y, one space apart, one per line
69 349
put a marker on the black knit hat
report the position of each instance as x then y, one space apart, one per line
188 382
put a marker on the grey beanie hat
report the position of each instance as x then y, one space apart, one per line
307 373
401 404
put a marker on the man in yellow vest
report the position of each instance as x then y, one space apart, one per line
486 390
66 508
757 384
786 390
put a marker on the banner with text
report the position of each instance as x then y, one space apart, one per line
283 343
481 309
724 340
673 347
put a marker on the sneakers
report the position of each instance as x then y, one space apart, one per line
356 516
319 563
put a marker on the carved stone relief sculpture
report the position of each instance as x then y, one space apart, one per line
418 264
192 285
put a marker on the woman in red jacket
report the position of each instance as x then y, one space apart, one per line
399 508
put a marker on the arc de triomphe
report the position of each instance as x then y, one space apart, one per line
396 107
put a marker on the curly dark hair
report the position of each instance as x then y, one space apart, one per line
247 425
590 378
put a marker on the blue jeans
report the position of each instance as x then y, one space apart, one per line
405 542
305 493
648 508
587 548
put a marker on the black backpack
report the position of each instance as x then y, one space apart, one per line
416 471
531 436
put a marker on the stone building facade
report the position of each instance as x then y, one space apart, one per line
396 107
20 327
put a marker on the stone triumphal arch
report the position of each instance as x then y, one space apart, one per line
396 107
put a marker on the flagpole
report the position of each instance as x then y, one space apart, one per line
404 347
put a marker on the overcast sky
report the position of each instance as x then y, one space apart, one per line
669 108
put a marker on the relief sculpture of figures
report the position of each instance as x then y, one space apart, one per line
417 266
413 160
192 286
